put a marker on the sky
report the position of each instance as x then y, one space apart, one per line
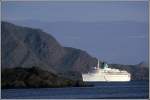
114 31
75 11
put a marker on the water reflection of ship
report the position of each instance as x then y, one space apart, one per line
106 74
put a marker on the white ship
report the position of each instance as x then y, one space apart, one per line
106 74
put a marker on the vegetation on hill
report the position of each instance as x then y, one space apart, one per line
35 78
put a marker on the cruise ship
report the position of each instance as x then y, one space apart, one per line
106 74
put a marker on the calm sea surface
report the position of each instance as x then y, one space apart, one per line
135 89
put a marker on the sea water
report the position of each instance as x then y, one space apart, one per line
133 89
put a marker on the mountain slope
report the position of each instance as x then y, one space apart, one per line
27 47
90 36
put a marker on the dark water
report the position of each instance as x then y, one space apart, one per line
136 89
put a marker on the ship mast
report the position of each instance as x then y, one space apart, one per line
97 64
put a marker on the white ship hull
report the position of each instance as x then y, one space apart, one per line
101 76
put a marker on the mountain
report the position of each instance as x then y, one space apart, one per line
96 37
27 47
143 64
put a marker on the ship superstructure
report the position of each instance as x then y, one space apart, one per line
106 74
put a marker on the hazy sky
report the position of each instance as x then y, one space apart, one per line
76 11
118 42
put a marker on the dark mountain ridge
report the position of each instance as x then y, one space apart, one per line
78 33
22 46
